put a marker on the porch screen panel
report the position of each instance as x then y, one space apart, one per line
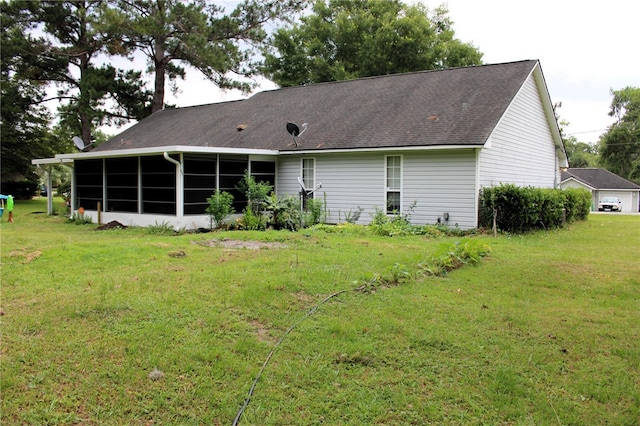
89 183
232 169
122 184
158 185
199 182
264 171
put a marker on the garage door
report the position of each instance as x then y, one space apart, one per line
625 197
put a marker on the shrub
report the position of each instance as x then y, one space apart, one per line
220 208
256 192
251 221
314 212
284 211
521 209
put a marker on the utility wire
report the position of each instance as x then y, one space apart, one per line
266 361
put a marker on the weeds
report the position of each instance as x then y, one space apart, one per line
163 228
80 219
454 256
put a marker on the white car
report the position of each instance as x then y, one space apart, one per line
610 204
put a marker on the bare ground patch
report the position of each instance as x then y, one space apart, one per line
28 257
240 244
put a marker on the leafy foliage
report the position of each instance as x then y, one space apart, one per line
454 256
163 228
580 154
315 211
347 39
174 33
24 119
521 209
220 208
284 210
620 146
256 192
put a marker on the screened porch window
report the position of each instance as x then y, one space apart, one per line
158 185
122 184
232 170
89 183
199 182
264 171
393 183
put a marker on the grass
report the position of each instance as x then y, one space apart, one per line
544 331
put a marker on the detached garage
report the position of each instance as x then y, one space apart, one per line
602 183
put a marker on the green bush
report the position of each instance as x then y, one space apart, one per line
251 221
284 211
256 192
314 212
220 208
521 209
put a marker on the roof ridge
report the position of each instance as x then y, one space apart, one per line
372 77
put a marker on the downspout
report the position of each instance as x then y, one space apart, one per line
171 160
179 187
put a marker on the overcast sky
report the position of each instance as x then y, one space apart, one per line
585 48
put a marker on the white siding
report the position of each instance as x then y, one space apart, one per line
521 150
438 181
348 181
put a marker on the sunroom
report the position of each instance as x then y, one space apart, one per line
142 187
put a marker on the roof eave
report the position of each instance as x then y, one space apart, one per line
381 149
152 151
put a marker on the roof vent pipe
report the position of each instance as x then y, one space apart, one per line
171 160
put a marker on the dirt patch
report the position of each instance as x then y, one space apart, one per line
114 224
262 332
239 244
27 257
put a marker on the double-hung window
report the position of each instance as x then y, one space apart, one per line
393 184
309 173
308 178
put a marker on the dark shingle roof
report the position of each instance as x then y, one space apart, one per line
599 178
459 106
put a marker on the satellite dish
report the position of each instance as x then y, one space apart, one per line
293 129
78 142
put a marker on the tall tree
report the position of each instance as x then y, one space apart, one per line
198 33
66 50
24 120
346 39
580 154
620 145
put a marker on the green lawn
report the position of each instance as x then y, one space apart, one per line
545 331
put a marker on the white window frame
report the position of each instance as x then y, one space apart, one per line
394 189
310 185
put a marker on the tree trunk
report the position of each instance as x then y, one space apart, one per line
84 103
160 63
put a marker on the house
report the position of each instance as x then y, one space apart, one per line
603 183
431 139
